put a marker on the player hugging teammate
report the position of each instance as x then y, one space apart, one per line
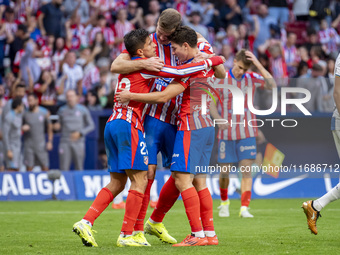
174 123
125 145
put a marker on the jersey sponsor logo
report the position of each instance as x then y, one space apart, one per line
146 160
246 148
163 82
263 189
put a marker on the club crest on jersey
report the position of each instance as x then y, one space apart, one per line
222 155
146 160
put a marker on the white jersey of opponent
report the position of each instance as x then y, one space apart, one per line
336 117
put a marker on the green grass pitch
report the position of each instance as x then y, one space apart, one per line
279 227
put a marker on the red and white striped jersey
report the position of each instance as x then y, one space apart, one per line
45 62
120 30
190 115
91 78
167 112
17 60
239 128
330 38
78 36
107 33
140 82
57 57
279 71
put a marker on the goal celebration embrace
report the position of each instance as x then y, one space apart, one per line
146 126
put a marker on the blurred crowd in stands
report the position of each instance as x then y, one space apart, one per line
49 47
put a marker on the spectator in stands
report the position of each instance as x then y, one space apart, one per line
58 55
12 134
92 101
149 23
291 55
231 13
50 18
303 54
329 37
92 77
121 28
312 39
35 120
228 54
302 71
195 23
45 89
79 6
205 9
75 33
264 23
313 83
32 28
154 9
106 31
278 9
99 47
17 44
135 14
246 38
28 61
75 123
319 10
301 9
71 77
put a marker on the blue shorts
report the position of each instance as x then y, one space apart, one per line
159 137
125 147
233 151
192 150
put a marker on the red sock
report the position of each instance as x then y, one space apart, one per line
141 216
192 208
206 208
167 197
245 198
224 194
132 207
103 199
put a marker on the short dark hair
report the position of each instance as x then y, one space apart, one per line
241 56
184 34
32 94
23 28
17 101
135 40
20 86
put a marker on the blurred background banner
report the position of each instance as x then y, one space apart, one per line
84 185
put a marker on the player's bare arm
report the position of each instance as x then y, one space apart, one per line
336 93
172 90
269 80
219 70
124 65
214 113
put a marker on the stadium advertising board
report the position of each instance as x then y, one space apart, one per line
85 185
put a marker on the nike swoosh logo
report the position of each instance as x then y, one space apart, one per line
262 189
313 216
159 232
